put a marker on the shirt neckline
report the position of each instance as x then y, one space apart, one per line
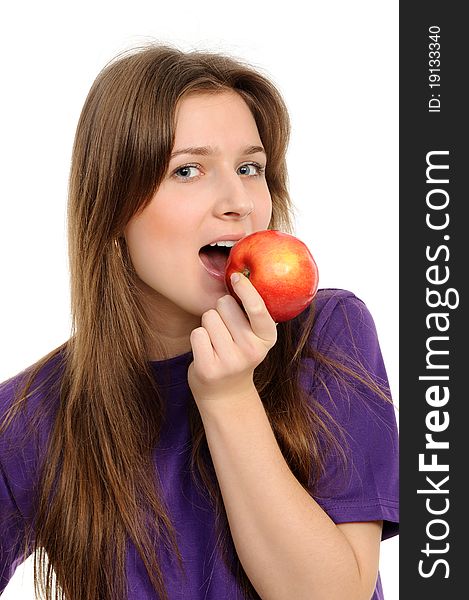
172 371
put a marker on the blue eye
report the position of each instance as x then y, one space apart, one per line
182 172
259 169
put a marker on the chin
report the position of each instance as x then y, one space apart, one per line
208 301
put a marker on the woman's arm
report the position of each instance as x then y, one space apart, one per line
287 544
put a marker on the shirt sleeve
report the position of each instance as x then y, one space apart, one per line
23 447
365 487
15 493
12 532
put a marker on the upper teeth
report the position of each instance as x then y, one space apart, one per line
227 243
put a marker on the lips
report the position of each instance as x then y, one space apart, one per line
234 237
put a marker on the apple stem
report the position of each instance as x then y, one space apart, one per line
246 272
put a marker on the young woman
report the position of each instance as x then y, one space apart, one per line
178 446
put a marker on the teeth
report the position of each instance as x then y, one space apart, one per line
226 243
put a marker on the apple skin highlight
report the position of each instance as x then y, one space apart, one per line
280 267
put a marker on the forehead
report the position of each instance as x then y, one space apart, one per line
224 113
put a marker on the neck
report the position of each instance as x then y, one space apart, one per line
170 328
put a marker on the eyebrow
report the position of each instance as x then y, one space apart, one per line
208 150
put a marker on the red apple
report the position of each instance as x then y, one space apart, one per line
280 267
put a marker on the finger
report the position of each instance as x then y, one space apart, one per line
234 318
202 348
262 323
220 337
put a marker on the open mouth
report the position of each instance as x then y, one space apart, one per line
214 257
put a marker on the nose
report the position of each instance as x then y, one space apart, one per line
232 198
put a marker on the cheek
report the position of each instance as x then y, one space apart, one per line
147 231
158 247
135 235
144 243
264 212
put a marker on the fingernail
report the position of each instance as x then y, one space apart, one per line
235 277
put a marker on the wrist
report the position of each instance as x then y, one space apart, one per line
229 403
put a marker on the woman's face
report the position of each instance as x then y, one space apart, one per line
218 192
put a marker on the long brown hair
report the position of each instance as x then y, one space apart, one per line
97 488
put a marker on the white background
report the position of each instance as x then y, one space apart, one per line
336 65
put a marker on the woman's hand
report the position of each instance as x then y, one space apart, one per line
228 347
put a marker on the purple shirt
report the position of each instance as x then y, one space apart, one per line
368 492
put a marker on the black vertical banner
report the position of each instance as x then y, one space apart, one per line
434 348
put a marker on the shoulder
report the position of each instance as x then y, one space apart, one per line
343 346
340 317
44 369
27 398
328 299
